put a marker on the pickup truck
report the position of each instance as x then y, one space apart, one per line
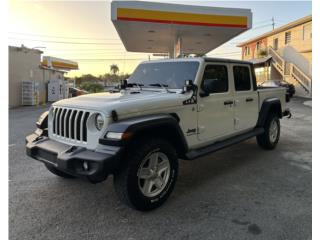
167 110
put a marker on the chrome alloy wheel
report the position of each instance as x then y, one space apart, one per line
153 174
273 131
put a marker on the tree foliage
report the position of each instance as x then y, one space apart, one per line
114 69
95 84
92 87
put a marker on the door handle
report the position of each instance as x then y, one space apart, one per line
229 102
249 99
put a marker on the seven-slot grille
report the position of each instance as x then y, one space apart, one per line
70 123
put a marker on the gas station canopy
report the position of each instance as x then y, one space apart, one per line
58 63
176 29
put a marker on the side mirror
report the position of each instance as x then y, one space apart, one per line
124 84
207 87
188 86
204 94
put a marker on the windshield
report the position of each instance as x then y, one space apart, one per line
164 74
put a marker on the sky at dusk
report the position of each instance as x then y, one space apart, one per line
82 30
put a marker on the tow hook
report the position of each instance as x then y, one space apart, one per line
287 113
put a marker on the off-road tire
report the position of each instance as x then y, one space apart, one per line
264 140
57 172
126 178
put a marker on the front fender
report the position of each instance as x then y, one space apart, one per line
168 124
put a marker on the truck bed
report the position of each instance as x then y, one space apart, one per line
272 92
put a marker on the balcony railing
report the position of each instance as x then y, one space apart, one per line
301 77
291 69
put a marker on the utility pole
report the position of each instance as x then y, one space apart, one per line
273 23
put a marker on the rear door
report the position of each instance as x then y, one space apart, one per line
245 98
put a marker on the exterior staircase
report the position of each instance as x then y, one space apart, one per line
291 73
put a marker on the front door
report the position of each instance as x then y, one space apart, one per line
245 98
215 110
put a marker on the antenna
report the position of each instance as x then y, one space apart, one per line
273 23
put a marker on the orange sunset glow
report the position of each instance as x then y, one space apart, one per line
78 31
82 31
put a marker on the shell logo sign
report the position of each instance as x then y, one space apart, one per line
142 15
176 29
58 63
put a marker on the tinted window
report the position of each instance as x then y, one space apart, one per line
242 79
215 79
168 74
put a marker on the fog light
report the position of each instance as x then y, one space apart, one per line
118 136
114 135
85 166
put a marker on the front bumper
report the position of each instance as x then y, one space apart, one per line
76 161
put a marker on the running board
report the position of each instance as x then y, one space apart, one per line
223 144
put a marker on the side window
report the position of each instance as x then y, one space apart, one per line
287 37
215 79
307 32
275 43
242 81
247 51
258 46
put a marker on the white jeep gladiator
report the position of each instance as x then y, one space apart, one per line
167 110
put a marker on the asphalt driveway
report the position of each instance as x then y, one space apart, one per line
241 192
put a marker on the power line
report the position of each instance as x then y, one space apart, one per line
227 53
51 36
101 53
132 54
139 59
262 26
109 59
91 43
262 21
48 41
85 50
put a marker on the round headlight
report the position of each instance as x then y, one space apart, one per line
99 121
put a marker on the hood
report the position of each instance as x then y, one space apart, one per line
125 102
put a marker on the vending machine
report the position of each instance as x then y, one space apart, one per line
55 90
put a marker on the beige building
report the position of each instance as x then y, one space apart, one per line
284 53
25 65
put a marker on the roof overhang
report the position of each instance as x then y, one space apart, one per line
156 27
278 30
260 61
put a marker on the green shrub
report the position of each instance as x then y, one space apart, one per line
92 87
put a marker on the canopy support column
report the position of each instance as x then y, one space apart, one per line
175 51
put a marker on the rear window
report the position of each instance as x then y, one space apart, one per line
242 79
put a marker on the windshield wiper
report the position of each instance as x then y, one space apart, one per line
164 86
135 84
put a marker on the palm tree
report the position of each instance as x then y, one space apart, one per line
114 69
